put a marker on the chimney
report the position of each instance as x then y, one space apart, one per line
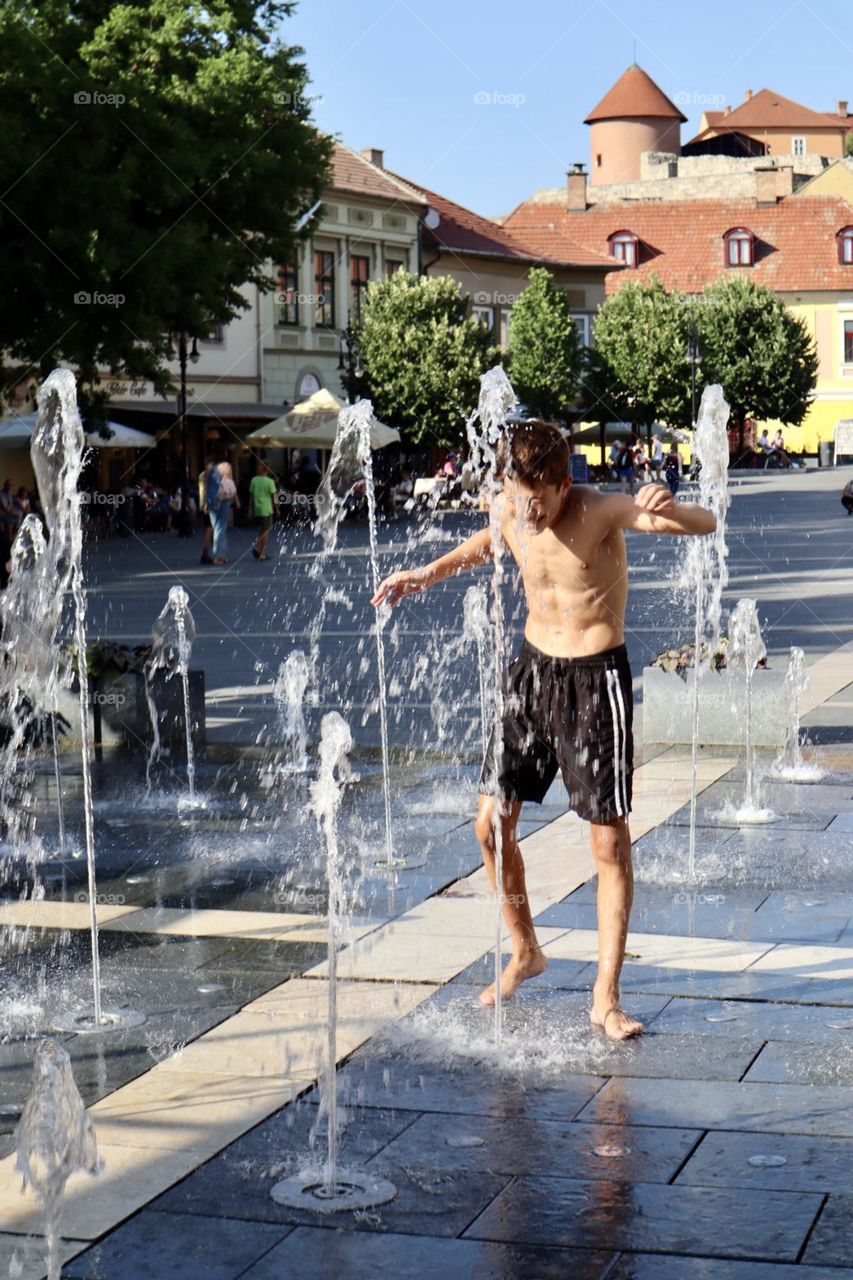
747 95
765 186
727 111
375 156
785 182
576 188
842 108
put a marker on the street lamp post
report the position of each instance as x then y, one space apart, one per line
185 521
694 356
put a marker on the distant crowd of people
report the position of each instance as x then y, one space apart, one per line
630 465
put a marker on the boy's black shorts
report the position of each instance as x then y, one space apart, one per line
571 714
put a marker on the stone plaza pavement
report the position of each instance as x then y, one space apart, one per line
718 1145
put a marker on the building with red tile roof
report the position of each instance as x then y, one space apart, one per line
633 117
780 125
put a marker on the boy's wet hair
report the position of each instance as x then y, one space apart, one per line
535 452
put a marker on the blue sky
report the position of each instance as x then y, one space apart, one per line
404 75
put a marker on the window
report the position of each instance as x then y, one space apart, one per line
324 288
486 316
582 327
739 247
214 336
625 247
798 146
598 161
845 246
506 325
359 276
848 341
392 265
288 295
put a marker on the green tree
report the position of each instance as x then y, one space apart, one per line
422 355
761 354
544 352
155 156
849 147
639 365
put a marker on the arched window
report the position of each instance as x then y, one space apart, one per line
740 247
845 246
625 246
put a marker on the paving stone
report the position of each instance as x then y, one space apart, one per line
670 1219
703 913
25 1257
761 1020
309 1253
483 1090
685 982
759 1108
842 823
559 975
802 917
784 1062
810 1164
831 1242
489 1144
165 1246
784 859
654 1266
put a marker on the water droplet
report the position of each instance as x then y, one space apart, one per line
139 879
841 1026
766 1162
208 988
465 1140
721 1017
611 1151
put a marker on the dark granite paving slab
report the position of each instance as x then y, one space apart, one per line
670 1219
783 1062
469 1090
753 1018
785 859
767 1108
719 809
654 1266
831 1243
490 1144
163 1246
560 974
748 985
802 917
780 1162
428 1202
314 1253
703 913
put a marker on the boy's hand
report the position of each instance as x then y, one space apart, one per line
405 583
656 499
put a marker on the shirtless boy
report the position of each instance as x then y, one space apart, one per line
568 694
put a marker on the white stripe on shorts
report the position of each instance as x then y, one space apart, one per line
618 690
616 737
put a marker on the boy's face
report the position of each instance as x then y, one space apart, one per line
536 507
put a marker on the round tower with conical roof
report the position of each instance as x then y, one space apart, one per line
632 117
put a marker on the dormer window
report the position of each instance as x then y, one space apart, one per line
845 246
740 247
625 246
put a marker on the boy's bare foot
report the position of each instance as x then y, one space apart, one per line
615 1022
516 971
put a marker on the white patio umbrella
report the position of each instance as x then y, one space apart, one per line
122 438
313 424
16 430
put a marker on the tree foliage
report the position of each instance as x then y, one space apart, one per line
639 368
544 352
761 354
422 356
155 155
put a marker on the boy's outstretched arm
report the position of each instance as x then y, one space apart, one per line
655 510
473 551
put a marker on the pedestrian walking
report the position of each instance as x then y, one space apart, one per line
263 500
206 521
672 469
226 497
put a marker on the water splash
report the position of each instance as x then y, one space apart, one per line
747 649
289 694
55 1138
173 635
57 450
351 468
476 627
705 569
485 429
789 765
